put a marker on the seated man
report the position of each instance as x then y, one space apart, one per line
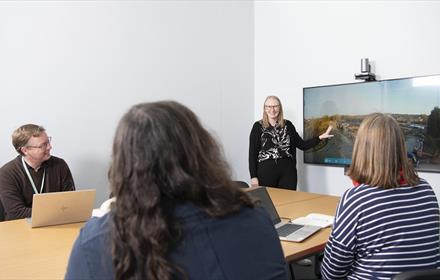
34 170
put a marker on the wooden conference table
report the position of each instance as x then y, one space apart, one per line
42 253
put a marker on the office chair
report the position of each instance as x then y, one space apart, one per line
2 212
423 274
241 184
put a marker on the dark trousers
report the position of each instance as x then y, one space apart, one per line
279 173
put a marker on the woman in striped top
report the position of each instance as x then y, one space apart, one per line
389 221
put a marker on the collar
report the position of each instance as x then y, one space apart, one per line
402 181
43 165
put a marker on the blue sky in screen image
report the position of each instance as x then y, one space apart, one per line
402 97
392 96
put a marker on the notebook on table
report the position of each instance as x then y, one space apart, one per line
57 208
286 231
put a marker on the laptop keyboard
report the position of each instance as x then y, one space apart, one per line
287 229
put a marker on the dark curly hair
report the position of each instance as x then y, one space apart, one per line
162 157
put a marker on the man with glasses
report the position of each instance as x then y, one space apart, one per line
33 171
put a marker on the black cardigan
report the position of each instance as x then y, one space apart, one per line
275 143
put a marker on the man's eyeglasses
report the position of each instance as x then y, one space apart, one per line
42 146
272 106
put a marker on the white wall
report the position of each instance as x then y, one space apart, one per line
309 43
76 67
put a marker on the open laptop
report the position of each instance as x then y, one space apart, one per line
286 231
57 208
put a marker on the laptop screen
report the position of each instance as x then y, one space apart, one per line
263 199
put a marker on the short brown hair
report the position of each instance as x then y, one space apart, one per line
379 155
280 114
21 135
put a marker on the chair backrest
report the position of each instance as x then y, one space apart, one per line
241 184
424 274
2 212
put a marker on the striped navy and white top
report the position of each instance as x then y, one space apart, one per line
379 233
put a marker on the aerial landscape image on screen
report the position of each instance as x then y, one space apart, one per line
416 107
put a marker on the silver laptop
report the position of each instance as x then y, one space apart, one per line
286 231
57 208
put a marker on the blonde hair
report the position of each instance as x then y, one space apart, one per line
379 155
280 119
21 135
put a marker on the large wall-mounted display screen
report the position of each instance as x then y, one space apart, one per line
414 102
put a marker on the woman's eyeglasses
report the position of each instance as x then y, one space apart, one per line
272 107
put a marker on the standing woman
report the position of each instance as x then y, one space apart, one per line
388 222
272 148
177 213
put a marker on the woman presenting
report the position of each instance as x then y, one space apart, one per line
272 148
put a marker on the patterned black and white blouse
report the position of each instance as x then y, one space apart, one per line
275 142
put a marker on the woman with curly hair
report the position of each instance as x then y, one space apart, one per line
177 214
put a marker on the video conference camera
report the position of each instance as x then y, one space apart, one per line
365 74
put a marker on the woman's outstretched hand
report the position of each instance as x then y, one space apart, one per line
326 134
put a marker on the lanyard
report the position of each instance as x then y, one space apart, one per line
30 178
